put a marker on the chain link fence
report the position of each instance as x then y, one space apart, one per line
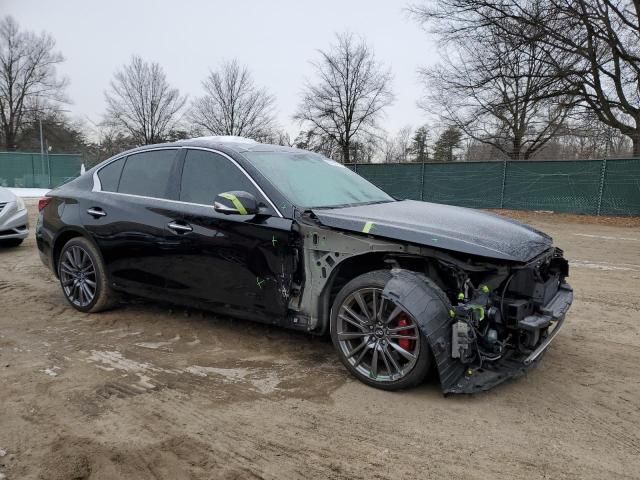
33 170
594 187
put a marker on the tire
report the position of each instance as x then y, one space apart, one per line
11 242
76 253
373 333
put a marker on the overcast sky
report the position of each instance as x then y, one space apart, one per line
276 39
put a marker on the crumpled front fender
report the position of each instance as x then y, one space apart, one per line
420 297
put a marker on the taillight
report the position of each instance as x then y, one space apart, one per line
43 202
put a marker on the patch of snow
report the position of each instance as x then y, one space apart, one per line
145 382
266 385
227 139
602 266
231 374
115 361
51 371
29 192
607 237
158 345
154 345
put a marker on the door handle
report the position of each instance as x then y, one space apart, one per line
96 212
180 227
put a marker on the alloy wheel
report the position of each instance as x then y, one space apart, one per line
378 338
78 276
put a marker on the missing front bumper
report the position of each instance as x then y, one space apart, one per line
414 294
556 309
513 365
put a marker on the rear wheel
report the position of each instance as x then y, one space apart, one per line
378 341
83 278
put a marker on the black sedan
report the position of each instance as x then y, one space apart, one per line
289 237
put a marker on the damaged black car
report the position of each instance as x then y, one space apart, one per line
289 237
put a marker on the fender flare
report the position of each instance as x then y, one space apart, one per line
421 298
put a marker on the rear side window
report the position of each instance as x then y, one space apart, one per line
148 173
110 176
206 174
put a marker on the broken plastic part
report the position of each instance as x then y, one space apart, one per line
418 296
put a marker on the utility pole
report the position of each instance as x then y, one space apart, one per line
41 145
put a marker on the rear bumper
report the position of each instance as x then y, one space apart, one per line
14 224
44 242
514 364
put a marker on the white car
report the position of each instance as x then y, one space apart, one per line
14 219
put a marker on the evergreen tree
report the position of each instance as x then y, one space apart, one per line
448 141
419 144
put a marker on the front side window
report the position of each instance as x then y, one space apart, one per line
110 176
148 174
310 180
207 174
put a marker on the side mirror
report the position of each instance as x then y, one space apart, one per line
236 203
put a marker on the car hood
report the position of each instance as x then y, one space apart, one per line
442 226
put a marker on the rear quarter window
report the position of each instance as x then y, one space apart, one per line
110 176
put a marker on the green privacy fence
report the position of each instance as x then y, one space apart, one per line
595 187
34 170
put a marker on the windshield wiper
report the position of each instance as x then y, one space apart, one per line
346 205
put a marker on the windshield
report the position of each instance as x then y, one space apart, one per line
310 180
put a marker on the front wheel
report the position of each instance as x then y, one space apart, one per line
378 342
83 277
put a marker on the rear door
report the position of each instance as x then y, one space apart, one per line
242 261
129 218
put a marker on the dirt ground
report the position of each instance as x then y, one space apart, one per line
157 392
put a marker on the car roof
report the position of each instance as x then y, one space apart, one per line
227 144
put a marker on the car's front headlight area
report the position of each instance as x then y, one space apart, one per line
20 204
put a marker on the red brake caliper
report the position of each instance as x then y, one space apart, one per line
404 342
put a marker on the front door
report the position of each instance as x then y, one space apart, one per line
241 261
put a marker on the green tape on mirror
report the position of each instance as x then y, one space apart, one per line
236 203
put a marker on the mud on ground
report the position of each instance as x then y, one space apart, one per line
152 392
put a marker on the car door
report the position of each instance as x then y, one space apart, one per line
241 261
128 215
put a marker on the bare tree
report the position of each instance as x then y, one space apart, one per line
495 89
592 45
403 143
28 80
233 104
388 148
141 102
350 94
